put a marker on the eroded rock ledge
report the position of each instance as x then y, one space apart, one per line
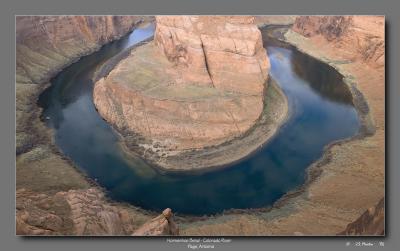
201 83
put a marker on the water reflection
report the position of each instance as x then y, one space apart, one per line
328 83
75 80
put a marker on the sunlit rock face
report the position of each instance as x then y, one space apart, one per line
200 83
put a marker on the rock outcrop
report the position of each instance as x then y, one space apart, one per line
78 212
161 225
359 37
33 216
371 222
200 83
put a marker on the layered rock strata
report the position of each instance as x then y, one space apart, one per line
200 83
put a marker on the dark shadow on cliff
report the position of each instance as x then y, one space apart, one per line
321 78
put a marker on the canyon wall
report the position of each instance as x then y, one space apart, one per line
200 83
52 196
358 37
44 46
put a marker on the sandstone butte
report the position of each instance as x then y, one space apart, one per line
200 83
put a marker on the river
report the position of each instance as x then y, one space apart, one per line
321 111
